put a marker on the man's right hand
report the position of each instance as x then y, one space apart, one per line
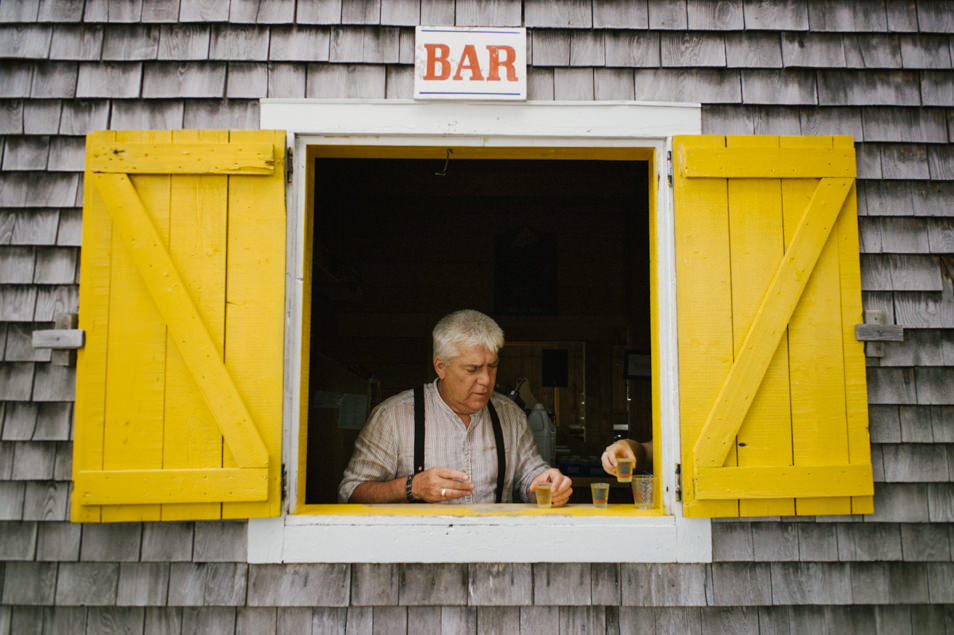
439 484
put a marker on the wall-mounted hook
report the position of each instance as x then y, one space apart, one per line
443 171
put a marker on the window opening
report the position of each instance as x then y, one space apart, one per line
556 250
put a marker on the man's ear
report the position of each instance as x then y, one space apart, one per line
439 367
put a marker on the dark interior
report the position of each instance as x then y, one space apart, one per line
555 250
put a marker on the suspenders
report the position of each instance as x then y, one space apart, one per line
419 439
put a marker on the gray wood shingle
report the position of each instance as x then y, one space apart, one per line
25 41
33 461
706 85
904 124
741 584
921 348
557 13
813 50
112 80
245 42
298 585
26 153
613 84
262 11
706 15
886 583
87 584
776 542
11 500
203 11
926 51
18 11
748 50
789 16
84 116
620 14
865 88
167 542
234 114
15 79
60 10
360 44
630 49
42 117
246 80
47 501
19 423
867 542
58 542
146 115
249 621
891 386
550 48
374 584
131 43
67 154
322 12
937 88
935 16
851 15
28 227
573 84
286 80
790 87
484 12
817 542
904 161
351 81
934 386
17 541
561 584
662 585
941 502
213 584
54 383
941 162
698 50
400 82
941 583
408 13
184 42
830 121
916 424
16 380
17 265
893 272
29 583
143 584
54 80
668 15
810 583
587 48
300 43
158 11
871 50
220 541
361 11
11 116
172 80
431 585
69 232
111 542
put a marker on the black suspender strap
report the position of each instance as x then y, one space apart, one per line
419 440
418 429
501 454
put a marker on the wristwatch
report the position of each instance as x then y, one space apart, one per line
407 489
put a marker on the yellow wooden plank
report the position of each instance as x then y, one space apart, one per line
198 250
769 324
768 163
776 482
125 487
757 240
255 306
178 312
137 349
704 309
91 360
181 158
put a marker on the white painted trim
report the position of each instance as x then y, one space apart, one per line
483 538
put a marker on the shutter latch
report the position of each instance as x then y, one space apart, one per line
679 482
64 339
284 481
874 333
289 164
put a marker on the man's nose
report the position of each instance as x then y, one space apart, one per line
483 377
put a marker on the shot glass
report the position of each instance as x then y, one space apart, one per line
644 485
600 493
542 490
624 470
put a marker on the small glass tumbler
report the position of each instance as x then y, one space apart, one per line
600 493
542 490
644 485
624 470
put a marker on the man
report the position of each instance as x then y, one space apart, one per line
640 452
460 448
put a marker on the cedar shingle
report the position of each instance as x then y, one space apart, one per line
935 17
46 501
433 585
748 50
917 422
741 584
267 12
934 386
587 48
67 154
905 124
573 84
17 264
16 381
869 542
630 49
131 43
810 583
889 583
902 16
84 116
482 13
30 583
865 88
30 41
900 502
300 44
211 621
550 48
15 79
891 386
26 153
925 543
184 42
350 81
941 235
872 51
110 80
900 272
406 45
786 16
167 542
17 541
247 80
326 620
42 117
613 84
146 115
33 461
60 10
926 51
329 12
817 542
69 233
55 265
203 11
558 13
361 11
54 80
400 82
937 88
620 14
18 11
849 15
19 346
504 619
17 304
437 12
731 541
868 157
941 161
286 80
561 584
540 83
217 584
6 460
705 85
349 44
663 585
298 585
831 121
155 11
915 463
813 50
220 542
143 584
774 542
54 383
11 500
232 114
408 13
604 584
920 348
669 15
374 584
120 619
63 462
96 11
193 80
229 42
11 116
124 10
941 584
941 502
779 87
694 49
258 620
706 15
87 584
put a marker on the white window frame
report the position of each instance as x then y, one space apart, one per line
482 537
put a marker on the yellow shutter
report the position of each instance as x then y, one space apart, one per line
773 406
179 386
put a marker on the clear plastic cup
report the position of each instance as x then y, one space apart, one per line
542 490
644 486
600 492
624 470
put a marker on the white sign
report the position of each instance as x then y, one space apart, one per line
470 63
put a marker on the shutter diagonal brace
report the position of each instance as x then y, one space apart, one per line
186 328
769 323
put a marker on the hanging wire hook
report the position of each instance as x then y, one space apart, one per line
447 157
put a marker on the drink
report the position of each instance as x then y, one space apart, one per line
542 490
600 492
643 489
624 470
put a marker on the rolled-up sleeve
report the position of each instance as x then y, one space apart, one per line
375 456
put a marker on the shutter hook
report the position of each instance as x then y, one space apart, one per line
447 157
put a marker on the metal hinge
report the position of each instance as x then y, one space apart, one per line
874 333
284 482
289 164
679 482
669 167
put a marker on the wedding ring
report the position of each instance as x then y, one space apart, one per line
443 495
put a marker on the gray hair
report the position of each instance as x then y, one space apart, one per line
467 327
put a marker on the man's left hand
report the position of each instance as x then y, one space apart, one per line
560 485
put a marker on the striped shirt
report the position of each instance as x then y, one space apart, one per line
385 448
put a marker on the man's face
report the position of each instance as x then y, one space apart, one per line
467 381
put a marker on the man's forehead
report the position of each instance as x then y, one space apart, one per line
479 355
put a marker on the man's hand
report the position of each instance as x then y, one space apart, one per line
560 485
439 484
641 453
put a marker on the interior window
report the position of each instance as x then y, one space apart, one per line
556 250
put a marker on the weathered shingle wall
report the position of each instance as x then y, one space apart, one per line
879 71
